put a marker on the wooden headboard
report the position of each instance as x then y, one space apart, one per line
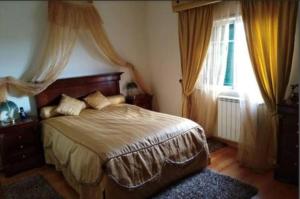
79 87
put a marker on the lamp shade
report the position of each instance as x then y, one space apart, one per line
9 112
132 89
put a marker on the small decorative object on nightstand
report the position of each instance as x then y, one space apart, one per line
8 112
20 146
23 114
132 89
141 100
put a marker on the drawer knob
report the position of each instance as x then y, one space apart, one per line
23 156
21 146
19 137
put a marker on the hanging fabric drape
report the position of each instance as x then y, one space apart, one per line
195 26
210 82
270 31
60 43
58 50
255 119
65 22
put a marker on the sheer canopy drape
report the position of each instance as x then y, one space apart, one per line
270 32
65 21
195 27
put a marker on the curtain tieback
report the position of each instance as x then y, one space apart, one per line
186 94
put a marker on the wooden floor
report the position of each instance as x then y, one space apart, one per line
223 161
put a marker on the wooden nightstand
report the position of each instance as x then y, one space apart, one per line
141 100
288 144
20 146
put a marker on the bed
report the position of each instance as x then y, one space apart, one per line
121 151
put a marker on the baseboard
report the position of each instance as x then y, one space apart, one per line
228 142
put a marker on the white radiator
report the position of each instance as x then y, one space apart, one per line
229 118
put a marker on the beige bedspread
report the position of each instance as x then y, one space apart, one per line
130 144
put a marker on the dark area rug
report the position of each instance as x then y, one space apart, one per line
34 187
208 185
215 145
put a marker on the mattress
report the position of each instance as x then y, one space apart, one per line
128 144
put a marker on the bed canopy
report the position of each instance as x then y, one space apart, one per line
66 21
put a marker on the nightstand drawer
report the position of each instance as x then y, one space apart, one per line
19 138
141 100
144 105
27 163
21 155
19 149
20 146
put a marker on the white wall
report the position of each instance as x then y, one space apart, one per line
164 56
294 78
23 24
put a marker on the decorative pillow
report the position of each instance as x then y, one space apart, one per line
70 106
116 99
96 100
48 111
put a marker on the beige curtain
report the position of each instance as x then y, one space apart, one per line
270 31
65 21
195 26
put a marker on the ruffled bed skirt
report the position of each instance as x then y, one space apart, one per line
109 189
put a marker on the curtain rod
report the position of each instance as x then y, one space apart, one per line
180 5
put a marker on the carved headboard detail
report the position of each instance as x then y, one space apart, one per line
79 87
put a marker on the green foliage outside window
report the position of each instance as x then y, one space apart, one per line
228 81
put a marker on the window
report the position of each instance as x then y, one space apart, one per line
218 66
228 80
227 65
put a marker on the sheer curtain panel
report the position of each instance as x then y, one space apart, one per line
211 79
